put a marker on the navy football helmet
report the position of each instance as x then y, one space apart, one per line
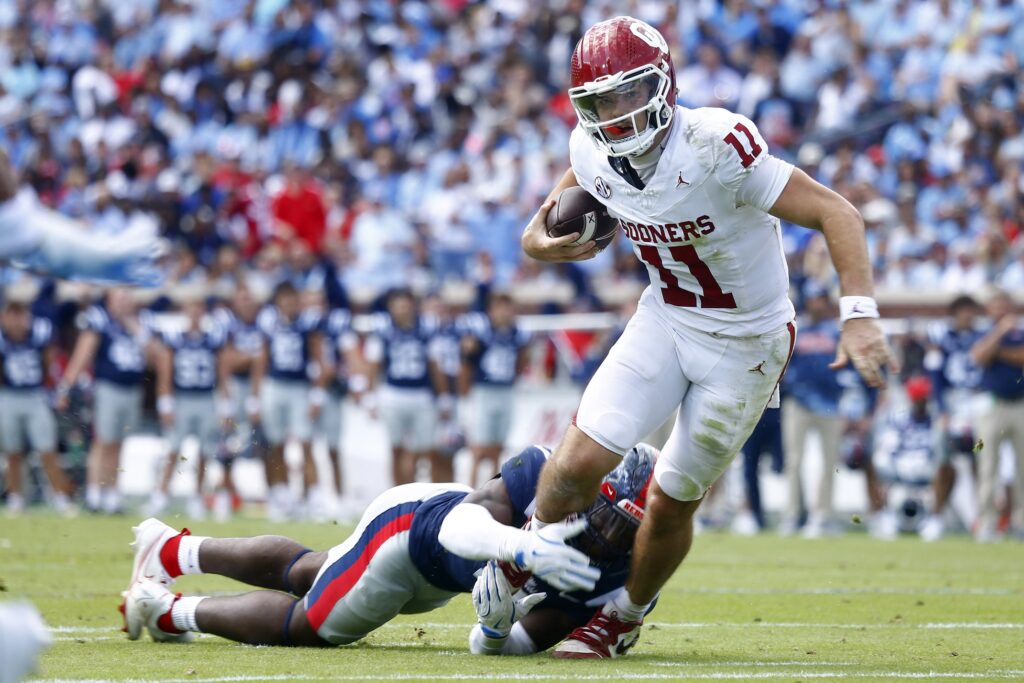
615 516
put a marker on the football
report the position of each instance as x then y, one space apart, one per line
576 210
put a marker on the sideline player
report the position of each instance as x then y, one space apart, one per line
290 396
193 357
26 419
119 343
414 392
700 197
416 547
493 357
40 239
242 351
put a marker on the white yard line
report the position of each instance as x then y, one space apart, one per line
680 674
850 591
447 626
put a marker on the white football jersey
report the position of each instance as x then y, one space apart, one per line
717 261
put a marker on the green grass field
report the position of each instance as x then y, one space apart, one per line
740 609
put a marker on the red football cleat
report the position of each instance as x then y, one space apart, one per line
605 636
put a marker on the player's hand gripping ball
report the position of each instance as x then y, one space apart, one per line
576 210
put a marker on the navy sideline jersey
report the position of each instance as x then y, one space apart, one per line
404 353
951 367
808 378
338 338
195 357
244 336
22 366
450 572
288 343
494 363
1001 379
121 357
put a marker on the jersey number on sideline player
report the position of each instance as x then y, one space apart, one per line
672 293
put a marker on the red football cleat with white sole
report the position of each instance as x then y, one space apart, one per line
605 636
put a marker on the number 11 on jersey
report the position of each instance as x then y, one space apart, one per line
672 293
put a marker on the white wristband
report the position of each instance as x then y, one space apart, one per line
851 307
358 383
165 405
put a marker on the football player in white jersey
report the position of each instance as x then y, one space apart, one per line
700 198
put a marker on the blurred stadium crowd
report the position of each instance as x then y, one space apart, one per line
350 148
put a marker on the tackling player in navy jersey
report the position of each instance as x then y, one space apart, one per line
415 548
119 344
193 359
493 356
26 419
415 392
288 385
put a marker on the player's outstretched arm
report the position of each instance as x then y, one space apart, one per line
472 530
539 246
43 240
806 202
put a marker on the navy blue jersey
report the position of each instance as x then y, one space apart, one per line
950 364
121 357
1001 379
404 353
494 362
288 343
22 366
195 357
520 475
446 345
246 337
808 378
339 338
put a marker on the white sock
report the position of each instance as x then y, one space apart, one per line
111 499
188 554
183 613
93 496
15 501
61 502
627 609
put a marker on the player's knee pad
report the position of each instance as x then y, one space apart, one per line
678 485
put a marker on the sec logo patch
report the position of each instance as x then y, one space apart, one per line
602 187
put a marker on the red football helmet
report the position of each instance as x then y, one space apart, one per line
623 85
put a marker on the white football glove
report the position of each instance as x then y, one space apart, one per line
497 609
546 555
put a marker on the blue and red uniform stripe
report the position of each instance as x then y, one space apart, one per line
342 575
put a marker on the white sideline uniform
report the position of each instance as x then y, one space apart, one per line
117 410
284 410
713 332
410 416
490 414
388 582
195 414
26 421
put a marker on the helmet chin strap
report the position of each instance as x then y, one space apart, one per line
650 156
